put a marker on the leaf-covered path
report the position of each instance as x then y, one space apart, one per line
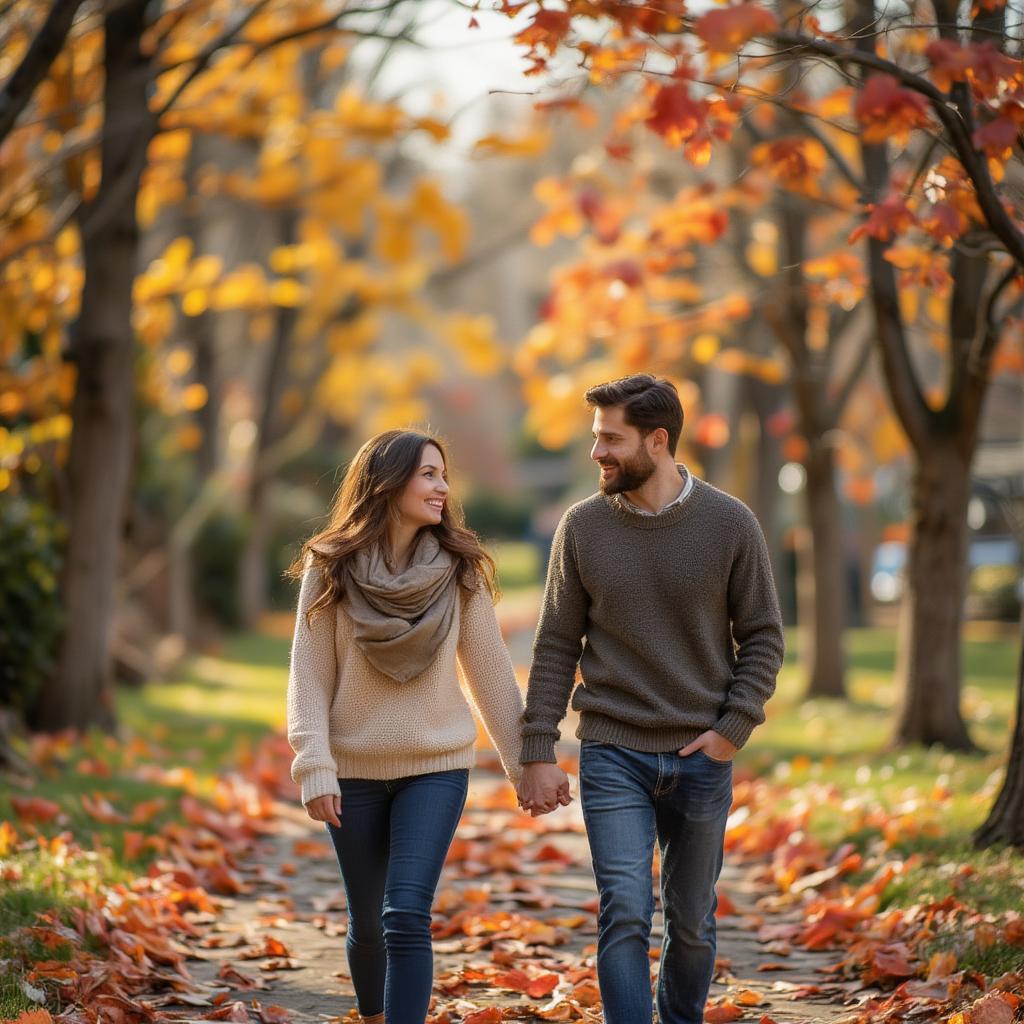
516 909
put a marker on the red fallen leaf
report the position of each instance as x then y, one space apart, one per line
993 1008
551 852
1013 933
938 989
889 962
542 986
270 947
721 1014
34 808
492 1015
1008 982
272 1014
775 967
514 980
145 811
236 1011
725 30
34 1017
312 848
725 907
765 1019
941 965
100 809
587 993
222 879
747 997
231 974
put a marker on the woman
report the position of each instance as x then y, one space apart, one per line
394 591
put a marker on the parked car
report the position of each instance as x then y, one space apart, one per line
995 576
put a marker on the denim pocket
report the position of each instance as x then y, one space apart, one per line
713 760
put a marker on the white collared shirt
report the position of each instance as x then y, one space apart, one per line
678 500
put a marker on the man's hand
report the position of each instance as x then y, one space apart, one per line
543 787
717 747
325 808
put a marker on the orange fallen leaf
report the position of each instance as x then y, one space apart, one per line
722 1014
492 1015
542 986
34 808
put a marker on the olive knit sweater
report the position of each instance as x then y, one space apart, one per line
347 719
680 620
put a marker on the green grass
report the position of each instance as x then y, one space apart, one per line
823 743
518 564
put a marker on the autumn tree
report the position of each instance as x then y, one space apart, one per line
73 191
935 109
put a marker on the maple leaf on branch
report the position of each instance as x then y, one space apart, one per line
887 110
726 29
890 217
794 161
984 65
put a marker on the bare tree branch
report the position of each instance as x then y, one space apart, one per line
43 51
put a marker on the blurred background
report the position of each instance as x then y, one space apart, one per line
238 237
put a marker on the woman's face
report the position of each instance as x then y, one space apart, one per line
424 496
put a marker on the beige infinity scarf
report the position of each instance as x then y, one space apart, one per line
401 620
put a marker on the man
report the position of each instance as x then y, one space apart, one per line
668 582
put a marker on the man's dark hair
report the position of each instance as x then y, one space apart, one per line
648 402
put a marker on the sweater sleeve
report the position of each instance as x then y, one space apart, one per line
488 671
312 678
758 634
556 648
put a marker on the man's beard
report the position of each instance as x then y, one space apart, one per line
631 473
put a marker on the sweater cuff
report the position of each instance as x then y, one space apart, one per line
735 727
538 748
319 782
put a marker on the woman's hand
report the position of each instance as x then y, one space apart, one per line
325 808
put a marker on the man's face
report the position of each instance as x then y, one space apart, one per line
620 451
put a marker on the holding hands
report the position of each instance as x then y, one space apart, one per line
542 788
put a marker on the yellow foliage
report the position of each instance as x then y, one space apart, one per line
194 397
178 362
243 288
704 348
288 292
531 144
172 145
473 337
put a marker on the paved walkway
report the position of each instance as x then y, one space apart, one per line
296 898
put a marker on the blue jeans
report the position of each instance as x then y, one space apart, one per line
629 800
391 846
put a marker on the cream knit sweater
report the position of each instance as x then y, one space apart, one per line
346 719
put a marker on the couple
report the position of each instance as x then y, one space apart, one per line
659 588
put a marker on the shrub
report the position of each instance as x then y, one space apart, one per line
31 613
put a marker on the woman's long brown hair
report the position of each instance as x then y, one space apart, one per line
367 501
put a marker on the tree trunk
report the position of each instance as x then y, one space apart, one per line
1005 822
80 693
825 660
929 671
252 569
